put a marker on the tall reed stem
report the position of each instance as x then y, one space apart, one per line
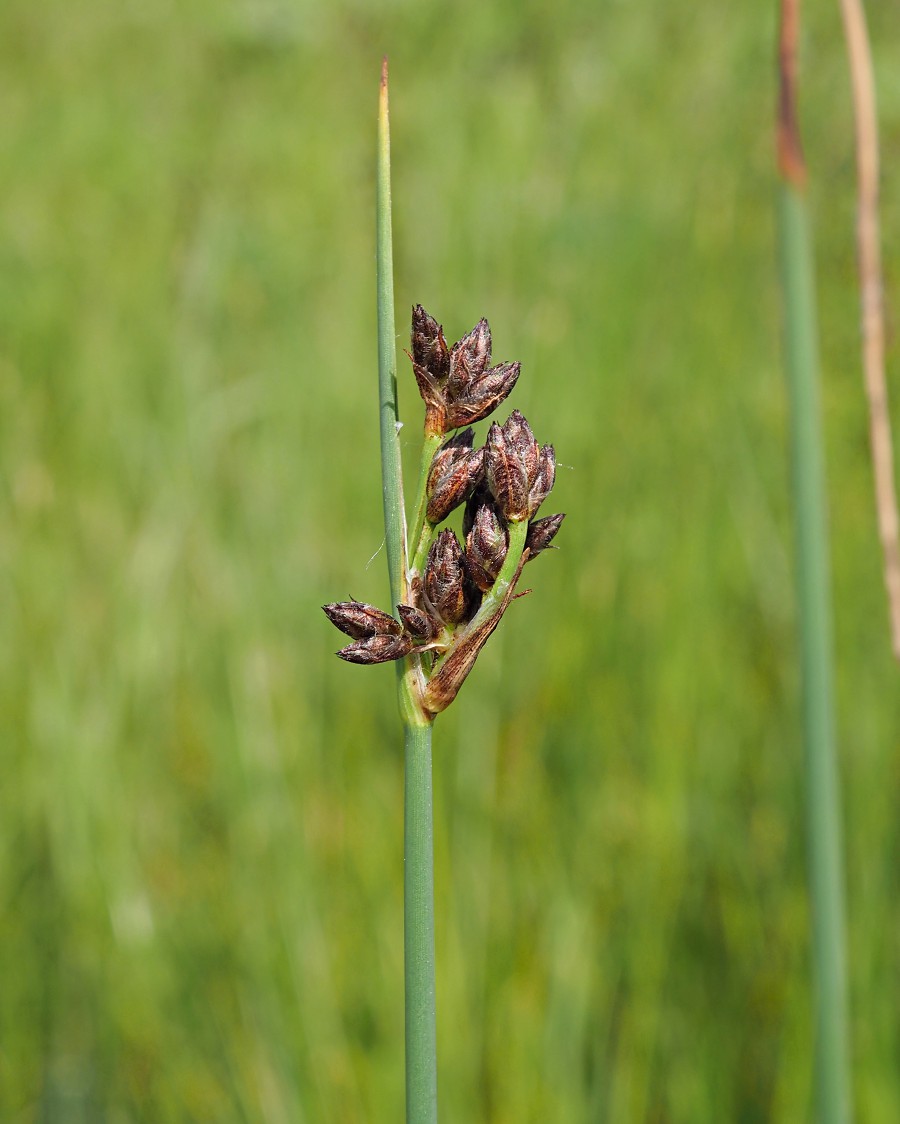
813 589
418 847
814 598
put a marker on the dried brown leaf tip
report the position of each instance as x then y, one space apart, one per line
458 385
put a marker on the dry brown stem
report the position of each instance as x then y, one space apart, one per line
872 301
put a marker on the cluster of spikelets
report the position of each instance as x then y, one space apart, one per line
457 597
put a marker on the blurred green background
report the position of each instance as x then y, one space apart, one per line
200 807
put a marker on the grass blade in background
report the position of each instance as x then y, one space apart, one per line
814 598
418 847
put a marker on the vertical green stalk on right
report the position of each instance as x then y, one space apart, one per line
814 597
823 798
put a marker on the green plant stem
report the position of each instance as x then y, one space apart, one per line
813 587
418 945
418 850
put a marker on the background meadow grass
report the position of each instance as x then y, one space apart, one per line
200 807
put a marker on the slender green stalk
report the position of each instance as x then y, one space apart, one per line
813 589
418 944
418 847
814 598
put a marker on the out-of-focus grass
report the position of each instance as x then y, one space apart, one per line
201 807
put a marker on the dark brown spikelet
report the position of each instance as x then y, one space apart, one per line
420 626
507 468
359 620
519 473
431 365
469 358
377 649
543 481
486 545
520 437
457 384
483 396
541 532
445 584
429 348
455 472
475 502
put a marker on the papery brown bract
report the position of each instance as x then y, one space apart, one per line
435 403
451 671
